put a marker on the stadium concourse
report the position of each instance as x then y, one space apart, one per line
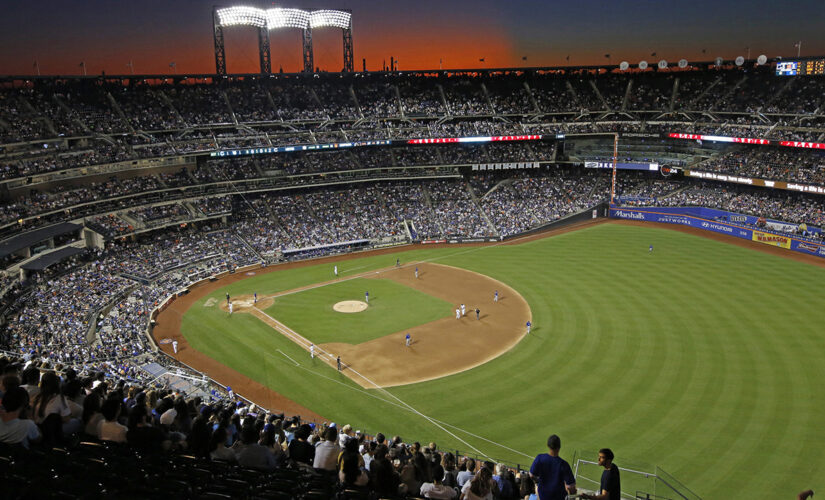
119 192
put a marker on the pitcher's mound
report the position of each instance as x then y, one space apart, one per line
350 306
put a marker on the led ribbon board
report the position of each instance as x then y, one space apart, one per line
494 138
749 140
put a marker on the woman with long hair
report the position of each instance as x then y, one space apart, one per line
91 413
351 466
480 487
50 401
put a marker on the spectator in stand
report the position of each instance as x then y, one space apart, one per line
552 473
326 452
436 489
91 413
252 454
49 401
15 427
527 487
109 429
351 471
610 485
385 479
217 446
480 487
467 470
300 450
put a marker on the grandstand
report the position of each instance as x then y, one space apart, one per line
120 193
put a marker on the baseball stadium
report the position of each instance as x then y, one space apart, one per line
398 284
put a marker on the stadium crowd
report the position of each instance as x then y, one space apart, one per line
76 332
231 446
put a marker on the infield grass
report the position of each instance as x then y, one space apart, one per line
392 307
703 358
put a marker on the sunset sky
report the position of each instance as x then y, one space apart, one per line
106 35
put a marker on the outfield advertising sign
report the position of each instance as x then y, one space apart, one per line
772 239
667 215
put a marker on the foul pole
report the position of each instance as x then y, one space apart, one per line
615 154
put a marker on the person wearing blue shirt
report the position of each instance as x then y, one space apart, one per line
552 473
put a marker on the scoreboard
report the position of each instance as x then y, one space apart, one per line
794 68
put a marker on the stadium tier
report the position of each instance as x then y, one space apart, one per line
120 196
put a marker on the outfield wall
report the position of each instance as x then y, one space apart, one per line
698 218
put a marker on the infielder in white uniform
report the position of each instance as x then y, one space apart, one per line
230 308
336 271
463 310
312 351
457 313
175 346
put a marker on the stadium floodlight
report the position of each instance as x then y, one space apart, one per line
332 18
242 16
279 18
287 18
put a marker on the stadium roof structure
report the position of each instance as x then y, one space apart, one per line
706 65
52 258
265 20
31 238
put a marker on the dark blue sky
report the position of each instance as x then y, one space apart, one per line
106 35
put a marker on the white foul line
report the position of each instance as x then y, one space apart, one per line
287 357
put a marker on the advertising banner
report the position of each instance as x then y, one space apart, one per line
666 215
772 239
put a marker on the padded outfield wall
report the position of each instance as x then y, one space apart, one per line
722 222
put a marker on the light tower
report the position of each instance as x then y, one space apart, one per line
277 18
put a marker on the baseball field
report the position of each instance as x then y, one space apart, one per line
701 357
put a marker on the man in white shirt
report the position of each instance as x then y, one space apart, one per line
327 451
110 429
436 489
13 429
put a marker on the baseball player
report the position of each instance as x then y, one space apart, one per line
339 363
175 346
478 313
463 310
457 313
336 271
495 296
397 262
367 297
408 340
230 308
230 392
528 326
416 272
650 249
256 297
227 298
311 351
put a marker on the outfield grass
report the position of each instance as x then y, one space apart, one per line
702 358
392 307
